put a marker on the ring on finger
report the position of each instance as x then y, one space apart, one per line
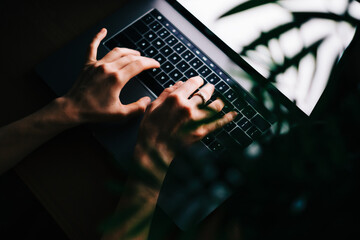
201 95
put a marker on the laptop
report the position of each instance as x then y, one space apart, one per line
188 39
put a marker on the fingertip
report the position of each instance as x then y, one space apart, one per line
199 79
145 101
156 63
232 115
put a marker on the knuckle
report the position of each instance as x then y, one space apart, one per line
217 106
186 111
131 58
139 63
117 50
104 68
174 99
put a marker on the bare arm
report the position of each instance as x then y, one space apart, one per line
164 131
94 97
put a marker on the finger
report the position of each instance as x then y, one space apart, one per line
124 61
92 52
216 105
117 53
165 94
205 92
190 86
135 109
136 67
208 113
219 123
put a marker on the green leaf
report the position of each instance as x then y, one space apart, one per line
265 37
295 61
301 16
246 6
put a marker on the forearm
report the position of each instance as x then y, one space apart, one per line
20 138
140 196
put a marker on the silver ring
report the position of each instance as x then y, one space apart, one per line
201 95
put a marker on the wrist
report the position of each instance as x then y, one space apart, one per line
70 113
153 159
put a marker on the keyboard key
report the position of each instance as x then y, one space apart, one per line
167 67
230 126
176 75
208 139
227 107
196 63
148 19
163 33
160 58
162 78
141 27
240 137
215 95
254 133
187 55
248 111
213 79
244 124
216 146
171 41
183 66
155 26
230 95
169 84
158 43
166 51
156 14
191 73
222 87
238 117
185 41
204 71
155 71
143 44
150 36
179 48
260 122
174 58
132 34
149 81
240 103
151 51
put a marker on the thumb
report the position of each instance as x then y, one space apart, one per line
137 108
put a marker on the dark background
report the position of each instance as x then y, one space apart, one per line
60 175
31 31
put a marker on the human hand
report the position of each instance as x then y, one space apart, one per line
95 94
173 120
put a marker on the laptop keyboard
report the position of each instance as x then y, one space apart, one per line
155 37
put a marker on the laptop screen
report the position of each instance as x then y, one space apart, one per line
293 43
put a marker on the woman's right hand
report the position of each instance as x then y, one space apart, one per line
175 120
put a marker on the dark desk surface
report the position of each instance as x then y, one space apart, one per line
69 173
